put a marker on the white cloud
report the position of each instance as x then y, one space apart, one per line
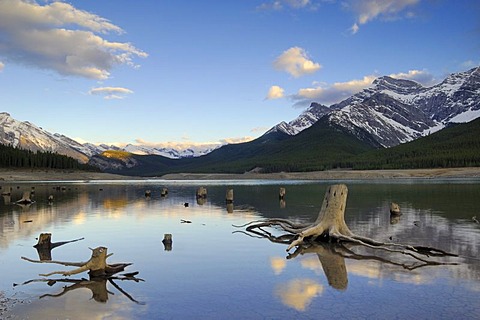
1 66
59 37
235 140
368 10
333 93
420 76
330 94
183 145
281 4
296 62
275 92
111 92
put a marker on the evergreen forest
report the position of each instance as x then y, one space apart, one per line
11 157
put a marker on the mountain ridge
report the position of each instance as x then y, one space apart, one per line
388 113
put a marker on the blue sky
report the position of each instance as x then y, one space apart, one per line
185 73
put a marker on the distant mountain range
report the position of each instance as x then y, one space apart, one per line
28 136
389 113
394 111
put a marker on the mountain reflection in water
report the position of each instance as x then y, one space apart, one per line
212 272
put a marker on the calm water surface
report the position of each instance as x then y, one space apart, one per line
213 272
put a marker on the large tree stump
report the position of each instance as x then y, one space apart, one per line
330 226
331 219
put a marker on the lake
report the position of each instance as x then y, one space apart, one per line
213 270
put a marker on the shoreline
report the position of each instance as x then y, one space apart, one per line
19 175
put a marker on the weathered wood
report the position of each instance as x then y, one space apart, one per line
330 225
395 209
25 198
229 196
201 192
164 192
167 241
96 266
330 220
281 193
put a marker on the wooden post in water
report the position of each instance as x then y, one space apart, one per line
229 196
281 193
201 192
395 209
164 192
167 241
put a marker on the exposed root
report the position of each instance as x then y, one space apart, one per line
330 224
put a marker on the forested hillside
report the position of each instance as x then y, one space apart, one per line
11 157
457 146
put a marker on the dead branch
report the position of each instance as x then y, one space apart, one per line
97 266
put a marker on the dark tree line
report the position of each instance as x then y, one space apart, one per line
11 157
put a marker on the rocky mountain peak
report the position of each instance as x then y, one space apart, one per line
396 85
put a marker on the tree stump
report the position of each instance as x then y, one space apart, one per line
96 266
201 193
26 198
395 209
167 241
164 192
331 219
229 196
281 193
330 226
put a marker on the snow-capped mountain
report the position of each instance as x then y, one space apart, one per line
394 111
303 121
28 136
166 152
390 112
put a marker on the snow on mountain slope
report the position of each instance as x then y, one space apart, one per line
394 111
303 121
28 136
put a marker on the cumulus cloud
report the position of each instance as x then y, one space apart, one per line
111 92
275 92
59 37
420 76
330 94
368 10
296 62
333 93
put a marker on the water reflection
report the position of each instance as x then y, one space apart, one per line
213 273
298 293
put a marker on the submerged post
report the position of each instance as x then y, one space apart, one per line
201 192
167 241
281 193
229 196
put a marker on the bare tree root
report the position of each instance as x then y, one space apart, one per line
330 226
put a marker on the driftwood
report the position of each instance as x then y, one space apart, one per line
330 226
97 266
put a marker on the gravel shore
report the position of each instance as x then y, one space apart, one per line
67 175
